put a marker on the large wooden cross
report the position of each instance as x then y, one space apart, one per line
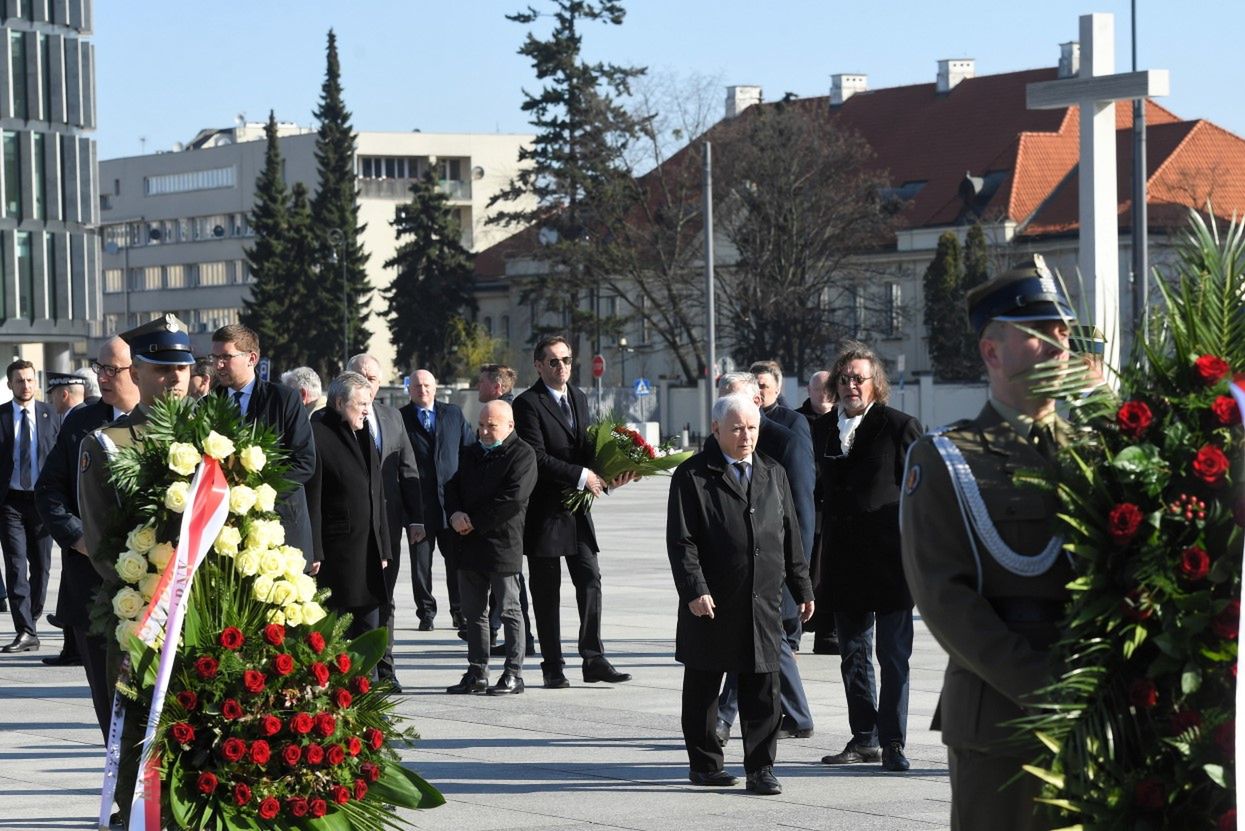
1095 90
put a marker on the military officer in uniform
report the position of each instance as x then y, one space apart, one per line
982 554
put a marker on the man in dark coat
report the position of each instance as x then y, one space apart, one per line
235 354
487 504
820 400
733 543
438 432
347 500
861 445
552 417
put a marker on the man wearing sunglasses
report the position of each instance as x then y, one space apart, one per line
552 417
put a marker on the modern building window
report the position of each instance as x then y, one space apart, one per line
12 175
213 274
45 64
175 277
49 267
17 74
214 179
113 282
892 310
41 157
505 328
25 277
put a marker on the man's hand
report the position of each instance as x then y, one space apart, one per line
623 479
806 611
415 533
594 483
384 564
702 606
461 523
315 568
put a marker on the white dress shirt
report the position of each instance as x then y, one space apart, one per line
847 427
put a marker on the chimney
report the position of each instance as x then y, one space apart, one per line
951 72
741 98
843 87
1069 59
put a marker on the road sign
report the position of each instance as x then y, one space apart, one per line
642 388
598 366
265 368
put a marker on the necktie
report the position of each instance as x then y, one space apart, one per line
566 412
742 469
23 451
425 418
373 429
1044 441
237 399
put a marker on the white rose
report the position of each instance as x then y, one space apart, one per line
293 559
253 458
266 498
131 566
293 615
141 539
247 562
217 446
123 631
283 592
261 589
183 458
175 497
265 533
313 613
228 540
147 586
306 585
241 499
271 564
127 603
276 616
160 555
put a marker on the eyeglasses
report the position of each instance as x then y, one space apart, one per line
224 357
553 362
846 380
106 369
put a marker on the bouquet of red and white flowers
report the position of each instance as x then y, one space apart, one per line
619 450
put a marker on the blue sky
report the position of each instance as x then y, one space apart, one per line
167 69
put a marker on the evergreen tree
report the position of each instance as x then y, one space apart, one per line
303 266
976 258
432 288
267 308
944 310
335 209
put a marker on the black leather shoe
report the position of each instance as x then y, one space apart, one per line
763 782
457 620
508 684
25 642
603 670
63 660
712 778
53 620
470 684
722 732
556 681
853 754
893 758
497 650
788 730
394 685
826 646
426 626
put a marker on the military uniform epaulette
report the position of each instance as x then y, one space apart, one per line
955 426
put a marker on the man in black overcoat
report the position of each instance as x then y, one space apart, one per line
733 543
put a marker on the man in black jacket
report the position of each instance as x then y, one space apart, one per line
487 504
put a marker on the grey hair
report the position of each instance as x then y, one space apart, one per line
356 362
303 378
735 402
746 382
92 386
344 385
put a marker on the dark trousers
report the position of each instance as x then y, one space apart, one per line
384 667
545 579
759 718
494 609
474 588
27 548
94 652
989 791
421 572
793 703
875 720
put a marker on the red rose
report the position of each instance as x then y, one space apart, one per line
1142 694
269 808
231 709
1225 409
274 633
302 723
270 724
297 806
232 638
1225 737
1123 522
374 737
1210 465
1227 822
207 782
182 732
206 667
318 808
362 684
315 754
343 662
283 664
336 754
316 641
370 770
1134 418
254 681
291 754
1227 623
354 746
326 725
1149 794
260 752
321 674
188 699
340 795
241 793
1194 563
233 749
1211 368
1183 720
360 790
1136 606
343 698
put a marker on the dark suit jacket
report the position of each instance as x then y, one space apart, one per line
346 498
281 409
437 456
860 556
56 498
561 455
795 453
400 473
47 425
493 489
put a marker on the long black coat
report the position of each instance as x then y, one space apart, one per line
860 565
739 547
346 496
400 472
493 489
437 456
561 455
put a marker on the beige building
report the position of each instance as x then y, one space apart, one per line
175 223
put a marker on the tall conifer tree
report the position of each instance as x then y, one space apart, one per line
267 308
944 308
303 265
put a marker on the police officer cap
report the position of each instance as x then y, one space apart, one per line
1027 292
64 379
1087 339
160 341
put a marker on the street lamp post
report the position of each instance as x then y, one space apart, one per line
622 362
338 240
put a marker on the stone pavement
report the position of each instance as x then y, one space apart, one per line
592 756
